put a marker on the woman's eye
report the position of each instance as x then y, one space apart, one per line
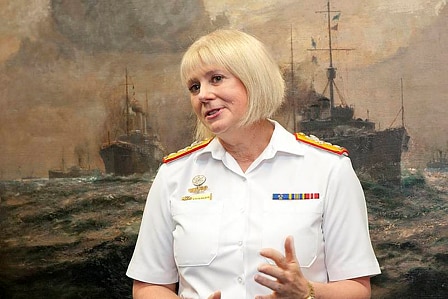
216 78
194 88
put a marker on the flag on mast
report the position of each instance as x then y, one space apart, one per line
313 43
336 17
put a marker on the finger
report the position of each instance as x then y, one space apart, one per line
276 256
291 257
290 250
215 295
279 259
267 282
273 271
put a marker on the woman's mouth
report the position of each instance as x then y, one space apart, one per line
212 112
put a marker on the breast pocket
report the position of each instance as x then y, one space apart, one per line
300 219
196 233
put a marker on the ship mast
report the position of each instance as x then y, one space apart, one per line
292 86
127 104
402 103
402 107
145 129
331 70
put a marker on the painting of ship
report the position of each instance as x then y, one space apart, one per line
138 150
375 154
72 172
75 171
439 161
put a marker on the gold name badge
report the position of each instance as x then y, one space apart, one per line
202 196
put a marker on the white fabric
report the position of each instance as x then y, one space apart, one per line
214 244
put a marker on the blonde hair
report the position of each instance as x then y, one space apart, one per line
246 58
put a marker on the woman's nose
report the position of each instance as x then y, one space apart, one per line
206 93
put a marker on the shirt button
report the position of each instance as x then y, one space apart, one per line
240 280
240 243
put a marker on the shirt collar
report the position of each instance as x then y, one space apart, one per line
281 141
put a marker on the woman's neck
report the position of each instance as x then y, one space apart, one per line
249 142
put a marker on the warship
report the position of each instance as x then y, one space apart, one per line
82 169
439 161
138 150
375 154
72 172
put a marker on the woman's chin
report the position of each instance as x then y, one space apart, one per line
216 128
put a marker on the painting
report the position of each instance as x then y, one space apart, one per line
77 76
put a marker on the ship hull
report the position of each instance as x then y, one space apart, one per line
375 155
123 159
72 173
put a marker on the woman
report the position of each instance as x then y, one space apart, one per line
253 211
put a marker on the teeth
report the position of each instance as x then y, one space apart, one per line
212 112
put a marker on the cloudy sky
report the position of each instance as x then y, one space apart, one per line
62 64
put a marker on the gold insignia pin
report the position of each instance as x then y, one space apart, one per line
198 181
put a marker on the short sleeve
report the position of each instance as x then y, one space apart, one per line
153 259
348 249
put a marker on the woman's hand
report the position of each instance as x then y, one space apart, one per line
215 295
288 281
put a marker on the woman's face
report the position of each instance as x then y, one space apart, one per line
219 99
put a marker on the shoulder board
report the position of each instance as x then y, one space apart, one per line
316 142
186 151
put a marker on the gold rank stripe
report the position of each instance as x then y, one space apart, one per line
314 141
186 151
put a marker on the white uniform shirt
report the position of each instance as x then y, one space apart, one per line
214 244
